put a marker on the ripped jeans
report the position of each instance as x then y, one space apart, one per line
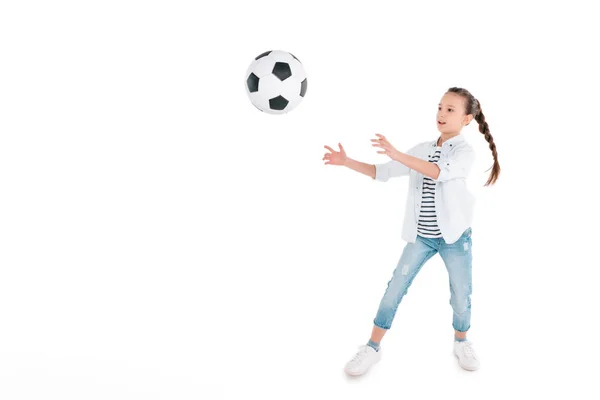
458 259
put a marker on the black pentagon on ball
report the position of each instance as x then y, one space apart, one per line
252 83
266 53
278 103
303 87
282 70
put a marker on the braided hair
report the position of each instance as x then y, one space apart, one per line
472 106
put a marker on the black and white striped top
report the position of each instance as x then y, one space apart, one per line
427 223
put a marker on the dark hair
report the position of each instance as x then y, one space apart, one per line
472 106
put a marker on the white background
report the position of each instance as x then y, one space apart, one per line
160 238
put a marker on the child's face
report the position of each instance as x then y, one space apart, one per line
451 110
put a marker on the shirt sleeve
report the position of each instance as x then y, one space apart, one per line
456 166
393 168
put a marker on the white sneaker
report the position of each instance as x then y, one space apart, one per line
466 355
362 360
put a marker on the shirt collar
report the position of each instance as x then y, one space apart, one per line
452 141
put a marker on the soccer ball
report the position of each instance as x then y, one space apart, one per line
276 82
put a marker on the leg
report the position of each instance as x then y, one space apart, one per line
458 260
377 334
460 335
413 257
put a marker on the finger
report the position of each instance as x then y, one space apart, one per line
330 149
341 147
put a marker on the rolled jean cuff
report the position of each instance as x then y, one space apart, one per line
380 326
461 328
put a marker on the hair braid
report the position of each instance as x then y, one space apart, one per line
473 107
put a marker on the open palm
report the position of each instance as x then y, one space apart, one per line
335 157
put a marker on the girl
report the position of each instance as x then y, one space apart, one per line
438 216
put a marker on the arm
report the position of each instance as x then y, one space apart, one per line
456 166
425 167
395 168
363 168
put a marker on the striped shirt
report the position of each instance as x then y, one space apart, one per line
427 223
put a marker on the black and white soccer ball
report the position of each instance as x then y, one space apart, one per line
276 82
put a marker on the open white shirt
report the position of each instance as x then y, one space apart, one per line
454 202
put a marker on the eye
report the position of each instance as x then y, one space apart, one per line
450 109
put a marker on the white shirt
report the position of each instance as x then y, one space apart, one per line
454 202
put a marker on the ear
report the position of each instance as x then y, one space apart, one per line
468 119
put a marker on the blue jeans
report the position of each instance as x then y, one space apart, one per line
458 259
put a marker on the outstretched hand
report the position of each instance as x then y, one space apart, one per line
335 157
387 147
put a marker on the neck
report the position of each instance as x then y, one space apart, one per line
446 136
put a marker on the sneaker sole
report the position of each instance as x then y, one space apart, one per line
360 373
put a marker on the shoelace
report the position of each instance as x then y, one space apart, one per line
362 353
469 352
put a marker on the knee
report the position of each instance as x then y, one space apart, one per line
460 303
396 289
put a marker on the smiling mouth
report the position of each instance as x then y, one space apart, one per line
441 123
